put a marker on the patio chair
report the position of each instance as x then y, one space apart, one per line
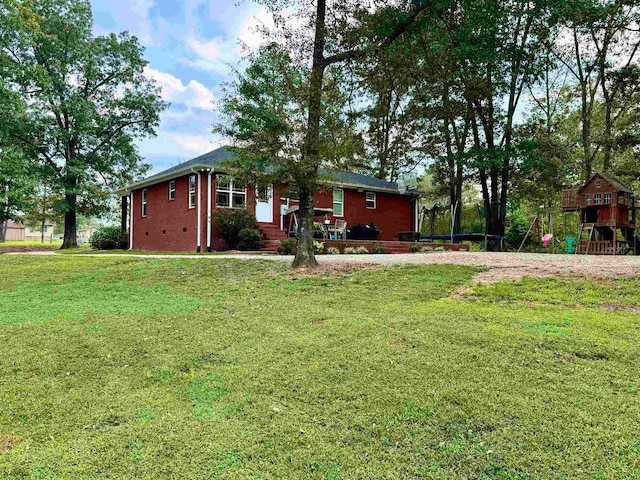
340 229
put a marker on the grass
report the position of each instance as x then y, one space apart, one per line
179 368
87 250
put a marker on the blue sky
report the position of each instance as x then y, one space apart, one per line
189 45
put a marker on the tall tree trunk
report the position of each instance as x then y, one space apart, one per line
43 220
608 137
3 231
71 199
457 225
70 222
586 136
305 255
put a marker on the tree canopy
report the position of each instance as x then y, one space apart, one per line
80 101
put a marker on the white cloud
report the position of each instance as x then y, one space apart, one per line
197 144
193 95
251 30
215 55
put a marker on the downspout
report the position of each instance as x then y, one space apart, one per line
209 210
199 212
131 222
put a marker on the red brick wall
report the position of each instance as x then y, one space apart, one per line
392 213
163 227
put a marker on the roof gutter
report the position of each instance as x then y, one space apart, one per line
369 188
153 180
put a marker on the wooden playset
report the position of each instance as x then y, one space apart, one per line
607 216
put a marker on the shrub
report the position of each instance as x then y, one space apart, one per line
318 247
318 230
333 251
414 248
426 249
288 246
438 249
379 249
250 239
350 251
362 250
231 221
518 229
108 238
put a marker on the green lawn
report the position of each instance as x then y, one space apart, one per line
176 368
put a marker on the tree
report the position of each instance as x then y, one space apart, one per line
336 39
600 53
45 206
85 100
497 46
16 186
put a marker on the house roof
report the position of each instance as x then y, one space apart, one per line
217 159
615 183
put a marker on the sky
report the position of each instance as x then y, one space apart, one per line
190 46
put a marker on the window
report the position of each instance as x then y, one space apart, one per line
228 194
338 202
144 202
596 199
598 184
44 229
588 199
192 191
370 200
172 190
607 198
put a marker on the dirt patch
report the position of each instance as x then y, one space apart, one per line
27 248
333 269
8 441
616 307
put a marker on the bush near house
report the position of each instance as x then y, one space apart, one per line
231 221
288 246
250 239
108 238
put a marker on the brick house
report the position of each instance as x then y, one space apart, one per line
172 210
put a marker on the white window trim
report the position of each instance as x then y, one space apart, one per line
604 199
597 199
375 200
341 203
598 184
192 191
230 190
172 190
143 202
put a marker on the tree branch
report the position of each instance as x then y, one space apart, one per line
400 29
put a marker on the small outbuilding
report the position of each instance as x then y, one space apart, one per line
607 216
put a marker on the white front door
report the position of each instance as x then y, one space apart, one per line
264 204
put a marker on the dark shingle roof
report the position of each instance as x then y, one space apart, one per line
615 183
218 157
351 178
214 158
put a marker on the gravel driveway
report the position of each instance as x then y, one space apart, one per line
510 265
501 265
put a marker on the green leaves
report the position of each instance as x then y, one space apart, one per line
75 102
